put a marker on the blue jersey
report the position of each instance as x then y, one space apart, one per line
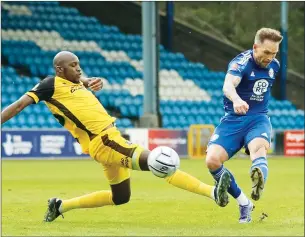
256 82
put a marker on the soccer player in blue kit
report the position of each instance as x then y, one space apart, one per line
247 89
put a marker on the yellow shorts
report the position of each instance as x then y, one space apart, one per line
116 154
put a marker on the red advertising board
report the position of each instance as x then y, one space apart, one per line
151 138
176 139
294 143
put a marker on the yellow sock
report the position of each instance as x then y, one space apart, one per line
96 199
185 181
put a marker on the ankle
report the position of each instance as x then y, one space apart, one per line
242 199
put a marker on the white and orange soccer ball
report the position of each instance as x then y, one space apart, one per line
163 161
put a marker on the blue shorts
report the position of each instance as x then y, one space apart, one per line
235 131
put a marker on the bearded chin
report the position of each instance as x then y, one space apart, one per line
262 64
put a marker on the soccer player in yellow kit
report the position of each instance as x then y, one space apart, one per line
81 113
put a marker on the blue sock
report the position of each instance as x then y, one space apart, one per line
234 190
262 163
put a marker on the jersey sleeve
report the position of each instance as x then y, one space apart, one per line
237 66
43 91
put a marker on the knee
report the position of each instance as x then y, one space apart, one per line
213 162
122 198
259 150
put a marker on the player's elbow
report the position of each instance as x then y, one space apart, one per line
19 107
23 102
225 89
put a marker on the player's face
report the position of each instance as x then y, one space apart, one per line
265 52
72 70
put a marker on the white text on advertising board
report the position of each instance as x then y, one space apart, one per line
14 145
51 144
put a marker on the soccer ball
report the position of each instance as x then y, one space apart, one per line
163 161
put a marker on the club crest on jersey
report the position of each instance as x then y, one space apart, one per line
271 72
75 88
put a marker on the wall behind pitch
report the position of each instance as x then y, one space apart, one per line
50 143
39 144
59 143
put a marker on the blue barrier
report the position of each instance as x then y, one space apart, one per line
39 144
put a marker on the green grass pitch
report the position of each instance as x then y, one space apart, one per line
156 208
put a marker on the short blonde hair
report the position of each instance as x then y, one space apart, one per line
269 34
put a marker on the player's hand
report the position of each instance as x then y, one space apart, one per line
95 83
240 106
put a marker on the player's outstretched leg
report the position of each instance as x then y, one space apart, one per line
259 170
57 207
188 182
119 194
215 157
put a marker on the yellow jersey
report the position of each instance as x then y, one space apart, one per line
75 108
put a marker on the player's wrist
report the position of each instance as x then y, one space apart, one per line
236 99
85 81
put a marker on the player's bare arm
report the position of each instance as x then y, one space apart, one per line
15 108
231 82
93 83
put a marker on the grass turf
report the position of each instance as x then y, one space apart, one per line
155 209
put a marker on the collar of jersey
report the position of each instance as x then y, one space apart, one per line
67 81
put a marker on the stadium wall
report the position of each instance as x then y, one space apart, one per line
195 45
58 143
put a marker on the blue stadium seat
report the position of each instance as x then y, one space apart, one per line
176 110
21 119
124 110
193 110
185 110
173 120
4 99
138 101
200 119
191 119
51 121
133 110
126 123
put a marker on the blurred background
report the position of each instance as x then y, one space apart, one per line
163 66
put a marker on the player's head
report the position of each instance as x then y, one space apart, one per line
266 45
66 65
